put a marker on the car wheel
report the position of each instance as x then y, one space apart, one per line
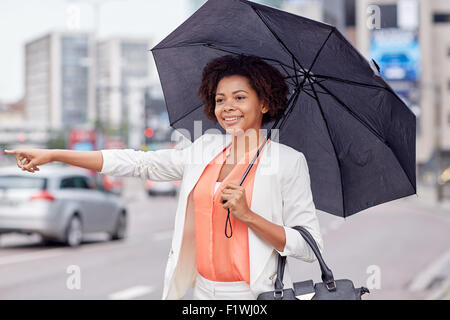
74 232
121 227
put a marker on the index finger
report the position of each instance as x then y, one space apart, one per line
232 185
11 151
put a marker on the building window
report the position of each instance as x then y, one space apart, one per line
389 16
350 13
441 18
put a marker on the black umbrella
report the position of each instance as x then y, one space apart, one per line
357 135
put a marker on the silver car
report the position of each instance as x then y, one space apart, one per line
60 203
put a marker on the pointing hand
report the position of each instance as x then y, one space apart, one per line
29 159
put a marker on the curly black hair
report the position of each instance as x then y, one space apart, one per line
265 79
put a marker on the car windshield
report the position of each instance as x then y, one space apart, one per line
19 182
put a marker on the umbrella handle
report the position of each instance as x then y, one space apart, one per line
228 221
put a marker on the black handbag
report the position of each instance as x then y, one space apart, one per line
329 289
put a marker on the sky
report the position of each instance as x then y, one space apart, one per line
24 20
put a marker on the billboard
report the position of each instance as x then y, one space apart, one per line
397 52
396 49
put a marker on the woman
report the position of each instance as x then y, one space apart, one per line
223 256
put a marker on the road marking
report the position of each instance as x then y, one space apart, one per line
423 279
131 293
25 257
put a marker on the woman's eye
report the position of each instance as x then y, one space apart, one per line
219 100
240 98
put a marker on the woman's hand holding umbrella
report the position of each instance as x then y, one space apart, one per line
233 198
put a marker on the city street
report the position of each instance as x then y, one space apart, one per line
399 250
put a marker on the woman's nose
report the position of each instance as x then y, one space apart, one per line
229 106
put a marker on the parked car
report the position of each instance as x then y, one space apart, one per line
162 187
60 203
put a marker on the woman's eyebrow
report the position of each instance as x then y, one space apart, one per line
221 94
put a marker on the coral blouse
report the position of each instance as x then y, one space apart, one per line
220 258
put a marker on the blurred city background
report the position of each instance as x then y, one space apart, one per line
78 74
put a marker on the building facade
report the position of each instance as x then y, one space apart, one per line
60 80
124 73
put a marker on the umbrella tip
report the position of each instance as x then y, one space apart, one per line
376 65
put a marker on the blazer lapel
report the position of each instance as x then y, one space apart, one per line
259 251
207 151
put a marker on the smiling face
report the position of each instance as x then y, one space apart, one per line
238 107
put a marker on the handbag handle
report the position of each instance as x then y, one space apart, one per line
327 275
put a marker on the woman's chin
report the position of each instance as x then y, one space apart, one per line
234 131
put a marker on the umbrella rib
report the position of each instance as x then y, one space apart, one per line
289 110
209 45
187 113
278 38
350 82
368 127
289 78
282 65
309 94
340 102
359 84
316 97
318 52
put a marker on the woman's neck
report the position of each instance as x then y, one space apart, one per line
242 144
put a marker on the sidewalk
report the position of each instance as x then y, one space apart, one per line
426 199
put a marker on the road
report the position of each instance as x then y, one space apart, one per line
399 250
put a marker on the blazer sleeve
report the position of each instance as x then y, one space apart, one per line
159 165
299 210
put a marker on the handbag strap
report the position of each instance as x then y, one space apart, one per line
327 274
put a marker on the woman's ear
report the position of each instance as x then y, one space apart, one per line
264 109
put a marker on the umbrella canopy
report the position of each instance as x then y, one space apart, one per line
357 135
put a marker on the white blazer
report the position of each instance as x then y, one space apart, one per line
281 194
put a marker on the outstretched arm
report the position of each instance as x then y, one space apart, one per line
30 159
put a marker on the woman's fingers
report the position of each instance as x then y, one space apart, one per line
19 161
225 190
225 197
29 165
26 162
230 185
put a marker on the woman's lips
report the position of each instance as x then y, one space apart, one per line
232 122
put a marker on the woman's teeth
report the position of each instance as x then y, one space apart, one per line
232 119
